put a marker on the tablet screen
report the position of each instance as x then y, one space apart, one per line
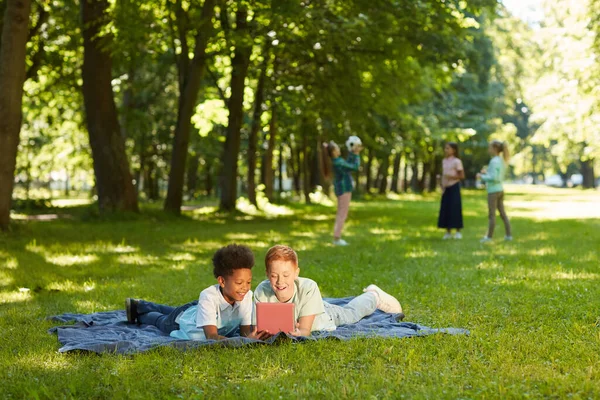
275 317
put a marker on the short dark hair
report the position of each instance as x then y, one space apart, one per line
232 257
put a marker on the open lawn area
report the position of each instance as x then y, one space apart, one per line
532 305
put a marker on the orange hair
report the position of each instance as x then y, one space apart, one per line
281 252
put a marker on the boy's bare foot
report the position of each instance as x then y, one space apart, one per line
387 303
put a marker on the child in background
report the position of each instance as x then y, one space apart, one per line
342 183
311 312
220 310
450 216
493 178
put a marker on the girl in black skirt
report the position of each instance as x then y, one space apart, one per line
451 207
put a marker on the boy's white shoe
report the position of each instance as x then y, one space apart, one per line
485 240
447 236
386 303
340 242
458 235
508 238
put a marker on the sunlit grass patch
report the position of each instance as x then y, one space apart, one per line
180 257
138 259
65 260
15 296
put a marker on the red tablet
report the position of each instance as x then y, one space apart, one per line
275 317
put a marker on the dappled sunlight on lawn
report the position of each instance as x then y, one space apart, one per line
304 234
570 275
200 210
562 208
537 276
240 236
89 306
11 263
389 232
180 257
65 260
15 296
51 363
97 247
542 251
317 217
264 208
5 279
61 203
70 286
420 253
138 259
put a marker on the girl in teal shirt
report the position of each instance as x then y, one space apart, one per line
342 183
493 178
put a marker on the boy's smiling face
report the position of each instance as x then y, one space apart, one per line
281 275
235 286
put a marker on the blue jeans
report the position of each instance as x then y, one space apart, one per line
161 316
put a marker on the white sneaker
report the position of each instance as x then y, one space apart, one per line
447 236
508 238
458 235
386 303
340 242
485 240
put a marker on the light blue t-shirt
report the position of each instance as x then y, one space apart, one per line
494 176
213 309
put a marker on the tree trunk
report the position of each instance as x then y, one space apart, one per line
405 174
383 171
396 173
268 157
280 170
15 30
587 170
425 174
435 171
256 124
192 174
111 166
208 179
191 79
414 180
295 166
315 166
239 70
305 169
368 168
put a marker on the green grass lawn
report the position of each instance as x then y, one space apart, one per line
532 305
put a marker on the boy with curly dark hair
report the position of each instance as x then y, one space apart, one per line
220 310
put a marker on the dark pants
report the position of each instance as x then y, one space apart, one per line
451 208
496 202
160 315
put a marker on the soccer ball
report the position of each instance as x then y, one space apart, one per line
353 141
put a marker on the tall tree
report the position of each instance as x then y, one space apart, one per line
15 30
256 125
239 70
111 166
191 74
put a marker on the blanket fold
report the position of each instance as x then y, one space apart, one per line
109 332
